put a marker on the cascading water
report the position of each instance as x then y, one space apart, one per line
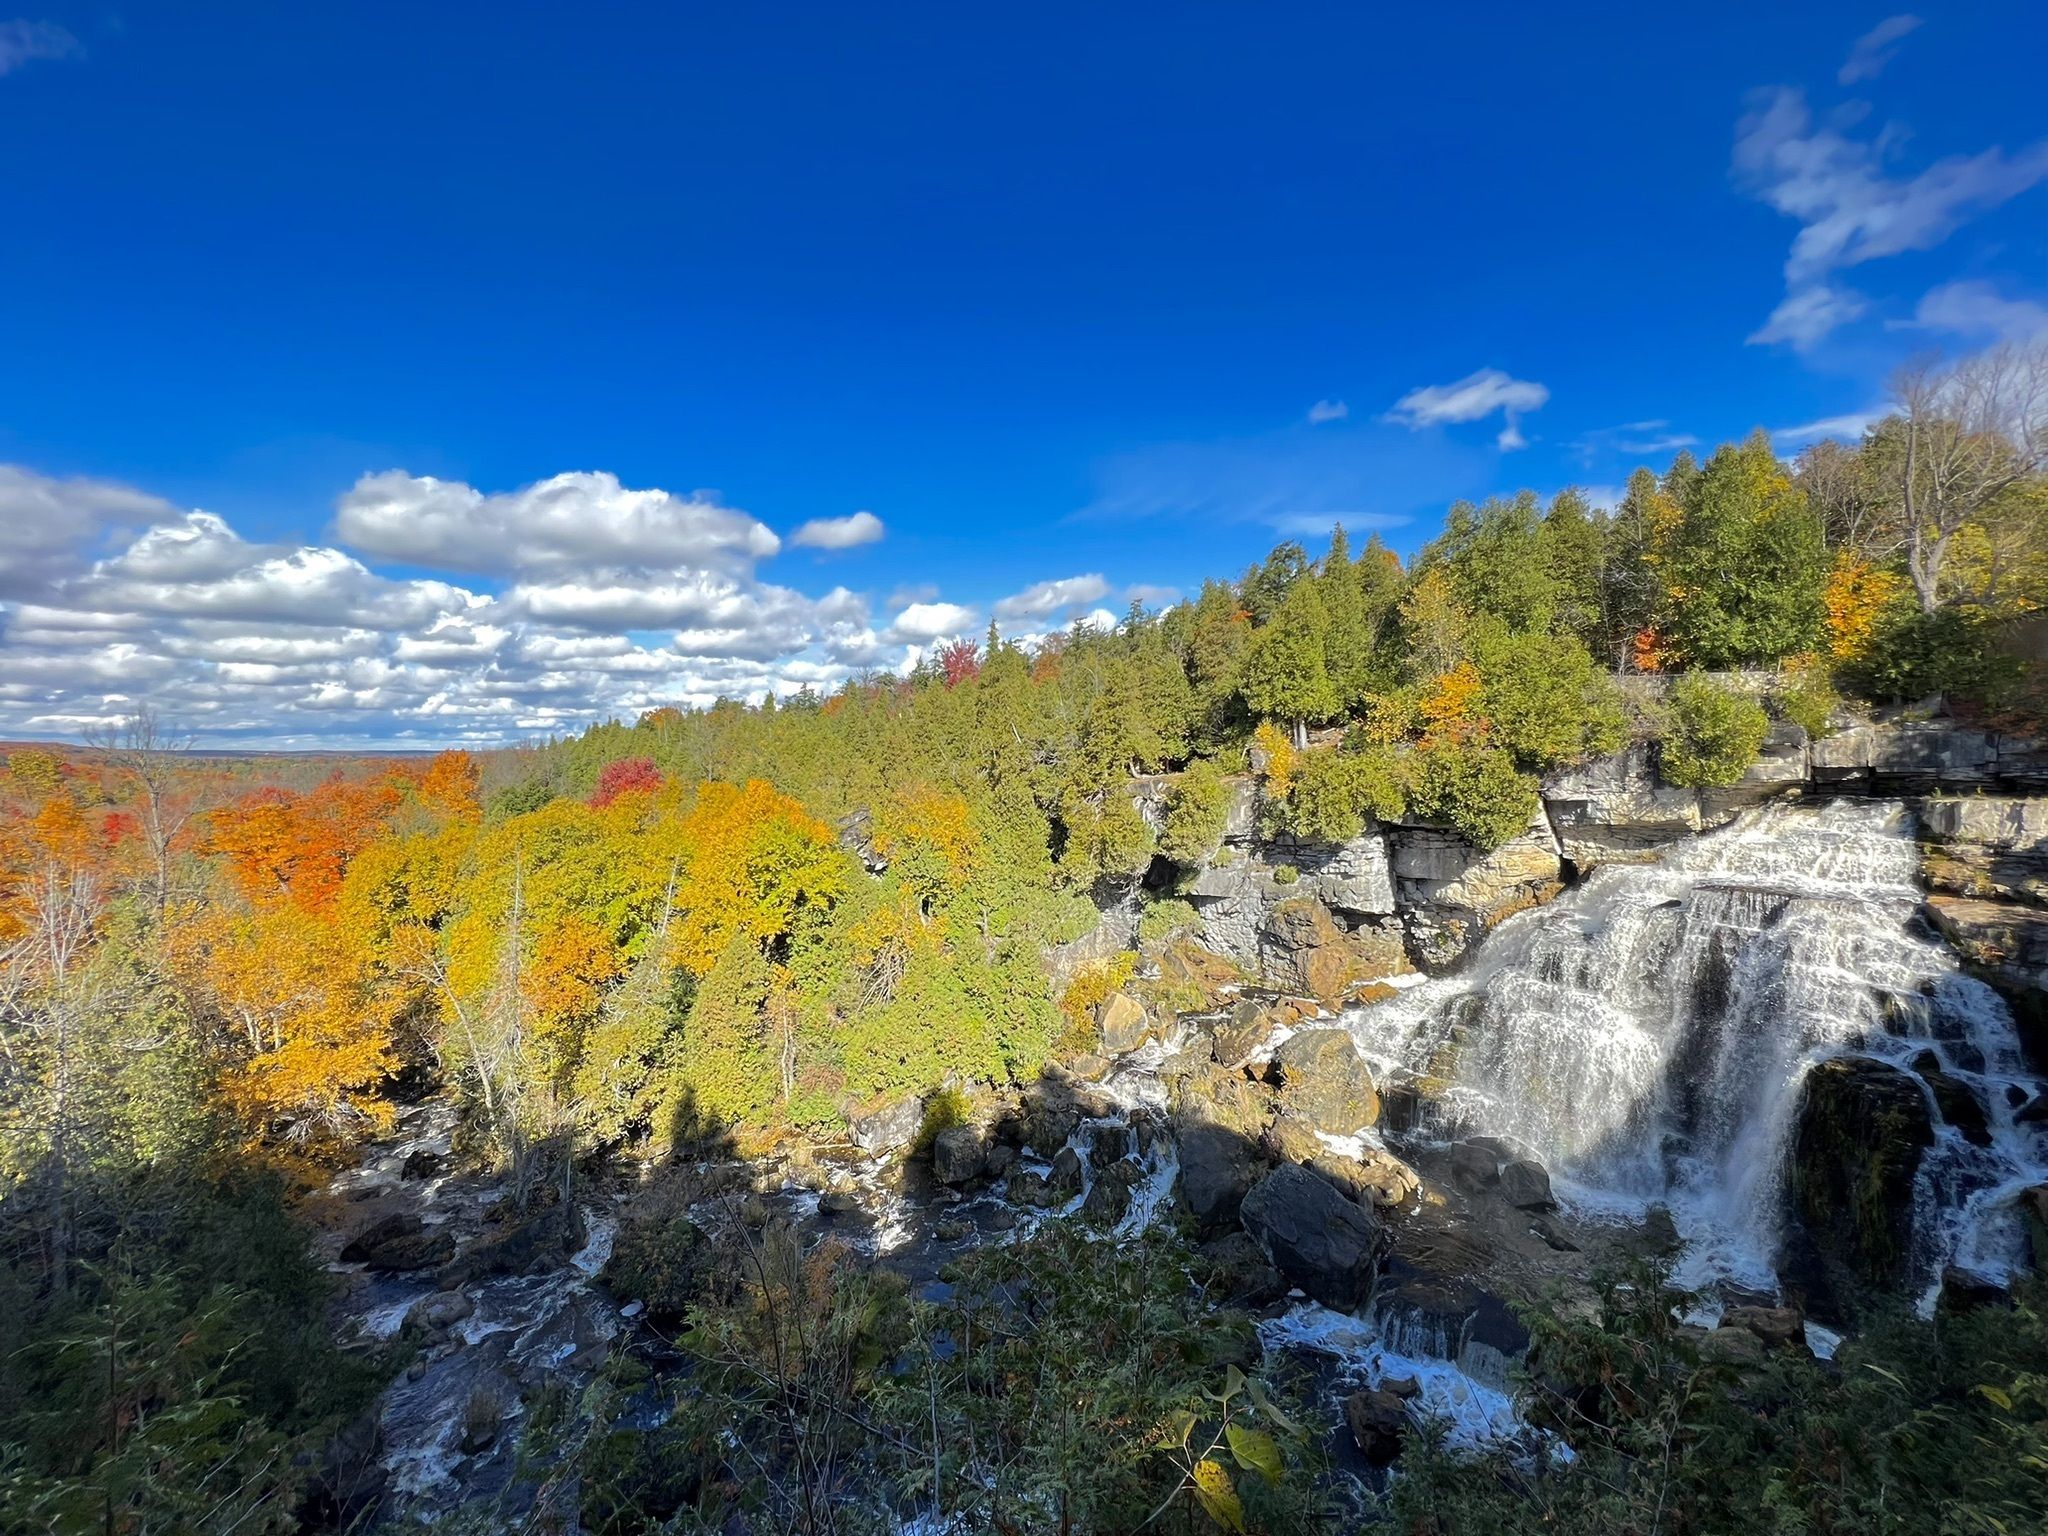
1647 1036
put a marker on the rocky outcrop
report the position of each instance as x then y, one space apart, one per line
1451 893
1987 849
1615 809
399 1241
1862 1129
2007 945
1324 1083
1217 1167
1320 1241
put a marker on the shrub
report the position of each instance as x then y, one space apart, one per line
1474 789
1285 874
1807 698
1273 754
1951 652
1161 920
1334 792
1711 733
1197 811
1547 701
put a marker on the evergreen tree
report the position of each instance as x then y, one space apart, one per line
1285 676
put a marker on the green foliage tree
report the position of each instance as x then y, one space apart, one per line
1333 792
1197 811
1545 699
1285 676
1474 789
1711 733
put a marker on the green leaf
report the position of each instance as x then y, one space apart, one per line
1218 1495
1233 1383
1175 1429
1271 1410
1255 1451
1997 1398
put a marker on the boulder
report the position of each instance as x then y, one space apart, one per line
547 1235
1109 1197
1378 1420
1124 1023
1213 1096
1861 1130
887 1127
1301 949
1964 1290
957 1154
1316 1238
1525 1184
1028 1187
1240 1273
399 1242
1217 1167
1777 1327
1736 1348
1378 1179
1065 1180
1959 1106
1324 1082
443 1309
420 1164
1475 1163
1243 1031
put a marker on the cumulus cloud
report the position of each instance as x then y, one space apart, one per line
581 518
1473 398
24 42
1874 49
932 621
1976 308
1327 410
839 532
1850 210
47 525
111 596
1049 597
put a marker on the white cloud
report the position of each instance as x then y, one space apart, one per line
1049 597
581 518
1975 308
1849 210
1853 425
1806 316
1327 410
112 595
1472 398
931 621
1874 49
23 42
1151 596
839 532
47 525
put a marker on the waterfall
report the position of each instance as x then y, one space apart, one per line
1647 1034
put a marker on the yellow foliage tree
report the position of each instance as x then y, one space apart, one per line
1857 595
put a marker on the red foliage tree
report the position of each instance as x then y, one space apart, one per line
625 776
960 662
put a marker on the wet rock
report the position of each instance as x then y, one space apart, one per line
1777 1327
420 1164
1067 1175
1553 1233
1861 1131
349 1480
399 1242
1241 1273
1378 1179
1242 1031
1964 1290
545 1237
957 1155
1050 1117
1525 1184
443 1309
1475 1165
952 1229
839 1202
1091 1068
1407 1388
1109 1197
1217 1167
1319 1240
1378 1420
1959 1105
998 1160
888 1127
1289 1140
1109 1145
1028 1187
1324 1082
1736 1348
1124 1023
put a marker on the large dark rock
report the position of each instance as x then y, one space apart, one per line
1324 1082
552 1233
1319 1240
1862 1129
1777 1327
1240 1272
1241 1032
958 1155
1217 1167
1378 1420
1525 1183
1960 1106
400 1242
1302 949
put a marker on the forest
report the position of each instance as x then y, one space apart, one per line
751 925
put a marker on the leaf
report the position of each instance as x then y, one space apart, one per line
1218 1495
1995 1397
1175 1429
1887 1375
1233 1383
1271 1410
1255 1451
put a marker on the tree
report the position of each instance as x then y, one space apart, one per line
1434 623
625 776
150 759
1711 733
1493 558
1285 677
1197 812
1573 548
1969 433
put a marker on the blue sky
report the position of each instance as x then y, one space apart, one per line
1054 294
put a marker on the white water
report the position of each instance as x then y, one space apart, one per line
1647 1035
